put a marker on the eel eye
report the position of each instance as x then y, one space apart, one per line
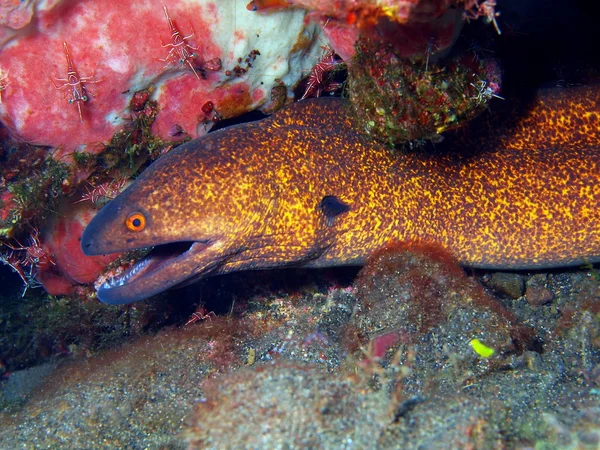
135 221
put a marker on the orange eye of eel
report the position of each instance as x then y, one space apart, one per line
136 221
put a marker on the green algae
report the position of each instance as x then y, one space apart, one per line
35 190
84 160
36 182
128 147
135 145
41 191
398 100
35 326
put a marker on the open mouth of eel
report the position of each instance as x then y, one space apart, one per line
165 266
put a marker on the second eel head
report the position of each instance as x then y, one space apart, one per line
212 206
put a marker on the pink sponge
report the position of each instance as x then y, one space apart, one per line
118 48
61 242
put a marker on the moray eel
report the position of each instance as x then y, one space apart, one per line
302 188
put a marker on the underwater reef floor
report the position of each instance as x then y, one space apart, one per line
414 354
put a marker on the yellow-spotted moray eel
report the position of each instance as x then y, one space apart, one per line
301 188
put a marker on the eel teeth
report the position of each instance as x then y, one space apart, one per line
122 278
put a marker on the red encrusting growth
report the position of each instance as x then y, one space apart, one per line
72 267
103 42
4 83
407 25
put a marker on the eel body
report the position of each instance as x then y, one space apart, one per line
302 188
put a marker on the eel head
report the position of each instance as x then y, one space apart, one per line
211 206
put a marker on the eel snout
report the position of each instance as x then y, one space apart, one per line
165 266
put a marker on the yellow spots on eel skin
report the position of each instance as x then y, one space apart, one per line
565 118
303 188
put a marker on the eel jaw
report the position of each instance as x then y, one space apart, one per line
164 267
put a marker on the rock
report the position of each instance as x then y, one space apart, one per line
536 293
15 15
420 388
418 291
410 26
397 100
511 285
287 404
20 384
